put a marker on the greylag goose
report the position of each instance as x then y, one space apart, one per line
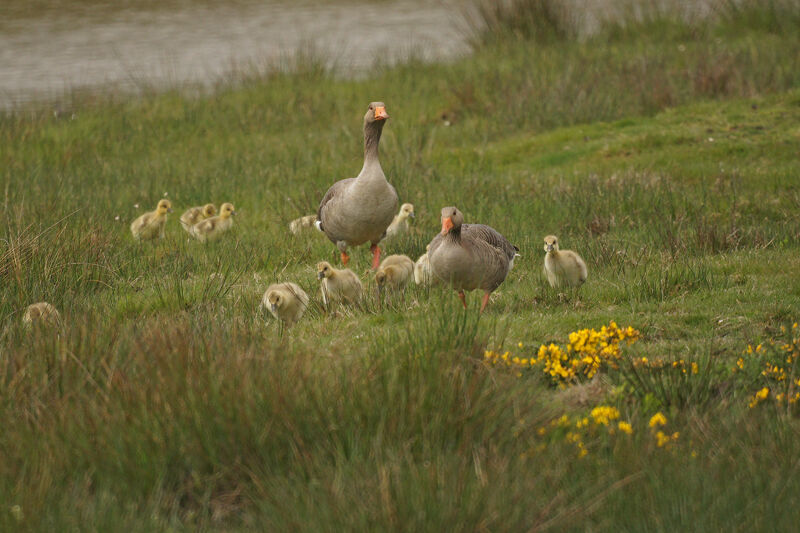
193 215
470 256
297 225
399 225
395 272
210 229
357 210
286 301
41 313
562 266
338 284
151 224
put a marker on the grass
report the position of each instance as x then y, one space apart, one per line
170 401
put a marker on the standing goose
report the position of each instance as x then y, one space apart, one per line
357 210
470 256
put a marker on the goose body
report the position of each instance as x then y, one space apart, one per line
41 313
212 228
338 285
563 267
286 301
193 215
151 224
297 225
358 210
395 272
470 256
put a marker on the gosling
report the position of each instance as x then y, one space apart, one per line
210 229
394 272
193 215
422 269
41 313
400 225
562 266
286 301
338 285
151 224
297 225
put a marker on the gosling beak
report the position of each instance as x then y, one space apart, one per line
169 210
412 215
274 307
233 213
381 114
447 225
549 247
320 275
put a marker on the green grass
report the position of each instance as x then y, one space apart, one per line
170 401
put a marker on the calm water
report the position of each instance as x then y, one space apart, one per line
44 54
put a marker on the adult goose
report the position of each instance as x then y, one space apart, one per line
357 210
470 256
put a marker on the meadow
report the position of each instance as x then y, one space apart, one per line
665 151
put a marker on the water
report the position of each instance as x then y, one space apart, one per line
48 51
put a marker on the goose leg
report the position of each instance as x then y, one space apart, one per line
484 301
345 258
376 256
462 298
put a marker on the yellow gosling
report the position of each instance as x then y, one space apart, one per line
299 224
562 266
151 224
211 228
41 313
286 301
193 215
395 272
422 270
338 285
400 224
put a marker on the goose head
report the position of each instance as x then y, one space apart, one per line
406 211
376 113
226 210
164 207
324 270
275 300
209 210
451 220
551 243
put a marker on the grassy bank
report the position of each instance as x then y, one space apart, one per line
168 400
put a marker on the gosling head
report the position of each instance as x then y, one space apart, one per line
324 270
451 220
381 276
551 243
275 300
226 210
164 207
209 210
376 113
406 211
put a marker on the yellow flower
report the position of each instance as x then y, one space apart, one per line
519 345
625 427
695 368
602 414
658 419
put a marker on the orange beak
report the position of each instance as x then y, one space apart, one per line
381 114
447 225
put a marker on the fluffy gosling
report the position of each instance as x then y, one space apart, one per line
297 225
394 272
286 301
193 215
400 225
562 266
41 313
422 269
210 229
338 284
151 224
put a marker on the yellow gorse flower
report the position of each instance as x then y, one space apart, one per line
658 419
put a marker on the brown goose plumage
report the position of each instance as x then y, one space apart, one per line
470 256
357 210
